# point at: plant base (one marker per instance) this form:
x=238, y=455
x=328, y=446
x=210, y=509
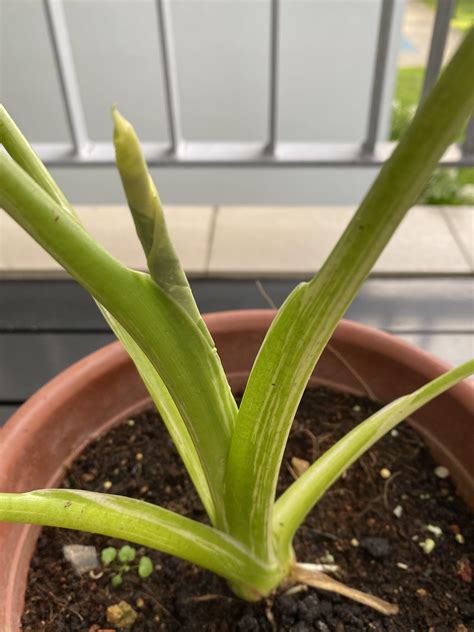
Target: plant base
x=360, y=506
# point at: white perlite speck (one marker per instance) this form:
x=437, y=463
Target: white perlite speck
x=428, y=545
x=434, y=529
x=83, y=558
x=398, y=511
x=441, y=471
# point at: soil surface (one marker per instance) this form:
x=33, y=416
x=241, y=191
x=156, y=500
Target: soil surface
x=371, y=526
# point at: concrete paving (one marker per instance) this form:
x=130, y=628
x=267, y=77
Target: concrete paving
x=416, y=35
x=264, y=241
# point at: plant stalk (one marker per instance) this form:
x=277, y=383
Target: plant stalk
x=308, y=318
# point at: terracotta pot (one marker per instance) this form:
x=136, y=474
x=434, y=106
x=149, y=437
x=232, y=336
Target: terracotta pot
x=103, y=389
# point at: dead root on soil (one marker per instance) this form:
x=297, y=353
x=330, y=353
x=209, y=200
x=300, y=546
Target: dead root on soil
x=309, y=575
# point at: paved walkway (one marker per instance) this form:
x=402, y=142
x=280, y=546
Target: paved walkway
x=416, y=35
x=265, y=241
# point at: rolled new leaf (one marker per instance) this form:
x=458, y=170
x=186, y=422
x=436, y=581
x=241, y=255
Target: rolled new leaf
x=147, y=212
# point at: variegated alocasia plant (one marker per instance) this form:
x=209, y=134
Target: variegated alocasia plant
x=233, y=454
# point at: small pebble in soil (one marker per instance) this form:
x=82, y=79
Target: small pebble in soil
x=131, y=422
x=459, y=538
x=138, y=457
x=394, y=433
x=355, y=542
x=299, y=465
x=421, y=592
x=88, y=477
x=397, y=512
x=375, y=546
x=402, y=565
x=428, y=545
x=464, y=571
x=441, y=471
x=385, y=473
x=83, y=558
x=121, y=614
x=107, y=484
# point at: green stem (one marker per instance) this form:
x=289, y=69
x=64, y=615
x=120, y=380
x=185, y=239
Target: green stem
x=303, y=327
x=22, y=152
x=145, y=524
x=177, y=349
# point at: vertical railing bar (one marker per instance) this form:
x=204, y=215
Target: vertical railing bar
x=63, y=59
x=274, y=72
x=444, y=12
x=468, y=144
x=169, y=74
x=378, y=82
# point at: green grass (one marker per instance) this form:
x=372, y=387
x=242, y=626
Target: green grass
x=408, y=85
x=463, y=17
x=446, y=184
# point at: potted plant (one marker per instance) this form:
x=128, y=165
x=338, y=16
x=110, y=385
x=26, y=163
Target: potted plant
x=233, y=454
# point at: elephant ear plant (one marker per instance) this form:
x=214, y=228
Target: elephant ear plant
x=233, y=454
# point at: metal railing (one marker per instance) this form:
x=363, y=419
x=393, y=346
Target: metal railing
x=272, y=153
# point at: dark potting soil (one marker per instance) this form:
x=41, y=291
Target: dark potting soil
x=371, y=524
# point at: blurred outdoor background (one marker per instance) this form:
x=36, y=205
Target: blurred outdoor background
x=265, y=122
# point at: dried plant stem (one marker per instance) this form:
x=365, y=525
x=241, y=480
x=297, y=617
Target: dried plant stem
x=308, y=575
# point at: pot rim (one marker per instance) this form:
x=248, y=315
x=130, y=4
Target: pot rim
x=113, y=355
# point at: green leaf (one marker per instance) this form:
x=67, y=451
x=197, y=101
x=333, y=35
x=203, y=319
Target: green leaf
x=175, y=346
x=108, y=555
x=298, y=500
x=145, y=567
x=21, y=151
x=144, y=524
x=170, y=414
x=308, y=318
x=116, y=581
x=126, y=553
